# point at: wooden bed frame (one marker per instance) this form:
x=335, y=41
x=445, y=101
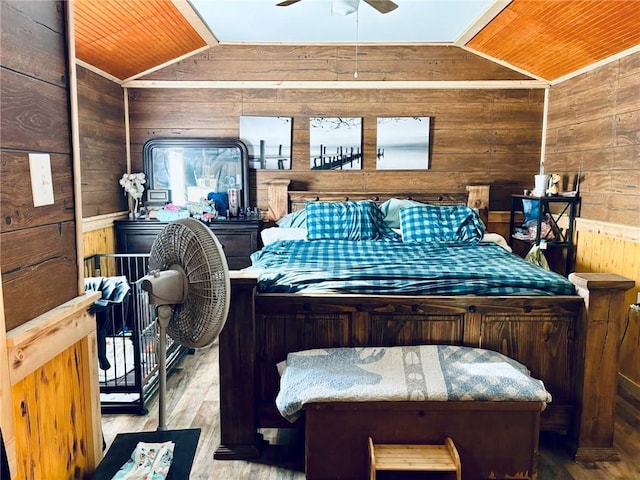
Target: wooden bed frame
x=570, y=342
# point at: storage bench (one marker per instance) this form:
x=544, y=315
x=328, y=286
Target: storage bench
x=494, y=439
x=413, y=395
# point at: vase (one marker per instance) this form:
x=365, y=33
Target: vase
x=134, y=214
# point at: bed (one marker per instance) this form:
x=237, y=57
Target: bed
x=568, y=339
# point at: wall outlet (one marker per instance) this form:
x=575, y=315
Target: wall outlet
x=41, y=181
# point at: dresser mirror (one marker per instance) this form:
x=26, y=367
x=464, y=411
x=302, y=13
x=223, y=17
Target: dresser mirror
x=192, y=168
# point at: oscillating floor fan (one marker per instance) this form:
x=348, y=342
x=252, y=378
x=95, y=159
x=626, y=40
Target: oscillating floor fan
x=188, y=282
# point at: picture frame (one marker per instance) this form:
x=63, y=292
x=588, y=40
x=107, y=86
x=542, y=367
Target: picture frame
x=268, y=141
x=402, y=143
x=157, y=197
x=335, y=143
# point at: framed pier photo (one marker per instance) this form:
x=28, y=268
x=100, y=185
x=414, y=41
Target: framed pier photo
x=268, y=140
x=335, y=143
x=402, y=143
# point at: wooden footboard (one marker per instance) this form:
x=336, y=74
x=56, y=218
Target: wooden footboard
x=570, y=342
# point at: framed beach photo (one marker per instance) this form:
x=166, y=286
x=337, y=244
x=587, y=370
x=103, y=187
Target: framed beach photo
x=335, y=143
x=402, y=143
x=268, y=140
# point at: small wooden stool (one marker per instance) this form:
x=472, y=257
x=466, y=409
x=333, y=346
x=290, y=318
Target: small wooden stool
x=414, y=458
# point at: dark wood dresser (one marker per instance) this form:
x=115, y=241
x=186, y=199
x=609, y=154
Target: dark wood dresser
x=239, y=238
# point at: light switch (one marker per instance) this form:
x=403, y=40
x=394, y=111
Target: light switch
x=41, y=181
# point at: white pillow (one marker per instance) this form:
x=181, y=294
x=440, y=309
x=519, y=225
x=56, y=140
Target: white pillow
x=496, y=238
x=273, y=234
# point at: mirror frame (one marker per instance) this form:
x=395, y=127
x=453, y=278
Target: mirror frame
x=155, y=143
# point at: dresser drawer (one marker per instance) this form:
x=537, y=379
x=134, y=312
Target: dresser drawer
x=238, y=263
x=235, y=244
x=239, y=239
x=138, y=242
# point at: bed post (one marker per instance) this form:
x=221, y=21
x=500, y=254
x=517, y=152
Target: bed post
x=597, y=363
x=238, y=428
x=479, y=198
x=278, y=198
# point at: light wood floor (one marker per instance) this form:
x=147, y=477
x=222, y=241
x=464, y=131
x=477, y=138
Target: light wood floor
x=192, y=402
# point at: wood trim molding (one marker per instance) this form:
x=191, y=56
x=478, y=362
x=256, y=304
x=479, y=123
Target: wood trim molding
x=597, y=65
x=34, y=343
x=543, y=143
x=6, y=400
x=98, y=222
x=127, y=127
x=485, y=18
x=97, y=71
x=92, y=396
x=126, y=81
x=187, y=11
x=628, y=233
x=629, y=390
x=339, y=84
x=75, y=139
x=504, y=64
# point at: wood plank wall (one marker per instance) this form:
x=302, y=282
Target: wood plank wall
x=477, y=136
x=44, y=448
x=594, y=124
x=38, y=247
x=103, y=155
x=101, y=240
x=51, y=414
x=600, y=252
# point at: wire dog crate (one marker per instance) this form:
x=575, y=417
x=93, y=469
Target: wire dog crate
x=128, y=334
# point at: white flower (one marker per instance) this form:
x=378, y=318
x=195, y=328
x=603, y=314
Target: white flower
x=133, y=184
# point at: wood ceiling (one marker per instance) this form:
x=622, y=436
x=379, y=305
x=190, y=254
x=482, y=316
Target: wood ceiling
x=552, y=38
x=548, y=39
x=126, y=37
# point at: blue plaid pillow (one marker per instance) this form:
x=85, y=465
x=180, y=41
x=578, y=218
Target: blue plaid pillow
x=391, y=210
x=345, y=221
x=432, y=223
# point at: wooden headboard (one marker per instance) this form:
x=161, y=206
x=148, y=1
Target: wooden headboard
x=282, y=201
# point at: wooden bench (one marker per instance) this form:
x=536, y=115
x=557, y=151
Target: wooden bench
x=485, y=403
x=497, y=440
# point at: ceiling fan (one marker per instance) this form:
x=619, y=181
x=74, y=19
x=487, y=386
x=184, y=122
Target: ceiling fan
x=349, y=6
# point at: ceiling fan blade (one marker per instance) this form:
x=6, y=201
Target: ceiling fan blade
x=286, y=3
x=383, y=6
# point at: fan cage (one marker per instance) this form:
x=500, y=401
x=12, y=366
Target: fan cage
x=192, y=246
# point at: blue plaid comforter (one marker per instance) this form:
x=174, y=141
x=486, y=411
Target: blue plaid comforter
x=400, y=268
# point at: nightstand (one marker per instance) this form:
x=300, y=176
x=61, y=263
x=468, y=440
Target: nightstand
x=558, y=213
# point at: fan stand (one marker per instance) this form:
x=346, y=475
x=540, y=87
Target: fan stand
x=187, y=267
x=164, y=313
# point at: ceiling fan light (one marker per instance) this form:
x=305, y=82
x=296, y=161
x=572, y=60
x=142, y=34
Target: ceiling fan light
x=344, y=7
